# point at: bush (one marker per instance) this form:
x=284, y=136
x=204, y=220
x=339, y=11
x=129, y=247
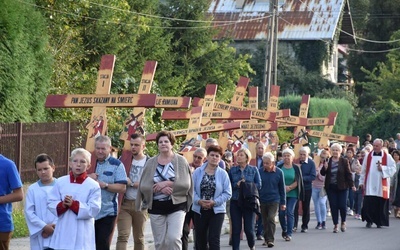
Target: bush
x=321, y=107
x=20, y=227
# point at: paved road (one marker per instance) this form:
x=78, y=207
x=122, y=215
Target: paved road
x=356, y=237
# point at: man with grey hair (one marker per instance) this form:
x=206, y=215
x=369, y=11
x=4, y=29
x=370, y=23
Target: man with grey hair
x=260, y=150
x=199, y=156
x=377, y=168
x=272, y=196
x=111, y=176
x=309, y=173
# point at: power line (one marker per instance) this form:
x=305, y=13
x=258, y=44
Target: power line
x=225, y=23
x=158, y=17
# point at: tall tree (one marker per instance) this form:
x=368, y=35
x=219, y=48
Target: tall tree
x=380, y=22
x=198, y=59
x=385, y=77
x=25, y=64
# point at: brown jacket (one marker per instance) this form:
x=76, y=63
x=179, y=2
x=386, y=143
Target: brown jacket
x=344, y=177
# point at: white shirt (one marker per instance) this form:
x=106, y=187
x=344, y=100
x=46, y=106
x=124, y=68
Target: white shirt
x=134, y=174
x=373, y=186
x=37, y=215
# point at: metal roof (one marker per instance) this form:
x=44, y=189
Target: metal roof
x=298, y=19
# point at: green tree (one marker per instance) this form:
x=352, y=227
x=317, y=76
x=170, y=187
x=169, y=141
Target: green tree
x=82, y=32
x=381, y=21
x=381, y=81
x=296, y=79
x=382, y=121
x=136, y=31
x=198, y=59
x=25, y=64
x=293, y=76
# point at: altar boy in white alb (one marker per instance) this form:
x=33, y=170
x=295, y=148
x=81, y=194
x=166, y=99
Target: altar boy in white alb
x=41, y=222
x=76, y=200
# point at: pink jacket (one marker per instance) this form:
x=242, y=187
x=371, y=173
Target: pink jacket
x=319, y=180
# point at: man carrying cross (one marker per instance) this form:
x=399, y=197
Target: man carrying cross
x=377, y=168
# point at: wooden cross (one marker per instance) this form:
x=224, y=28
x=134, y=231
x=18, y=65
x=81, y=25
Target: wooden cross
x=237, y=104
x=195, y=128
x=273, y=102
x=237, y=99
x=303, y=112
x=103, y=99
x=135, y=122
x=99, y=102
x=208, y=113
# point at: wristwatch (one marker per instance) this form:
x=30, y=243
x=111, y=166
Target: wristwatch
x=106, y=186
x=131, y=185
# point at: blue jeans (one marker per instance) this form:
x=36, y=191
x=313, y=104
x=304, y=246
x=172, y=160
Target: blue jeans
x=338, y=202
x=319, y=205
x=357, y=201
x=286, y=217
x=351, y=199
x=259, y=223
x=237, y=215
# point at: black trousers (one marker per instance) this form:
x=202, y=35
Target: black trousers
x=186, y=229
x=208, y=227
x=103, y=229
x=375, y=210
x=306, y=210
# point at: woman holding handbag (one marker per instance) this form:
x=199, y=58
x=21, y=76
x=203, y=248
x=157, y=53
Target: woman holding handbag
x=243, y=172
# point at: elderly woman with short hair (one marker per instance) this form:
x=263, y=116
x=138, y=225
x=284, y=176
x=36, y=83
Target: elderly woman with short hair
x=294, y=191
x=272, y=196
x=243, y=172
x=338, y=180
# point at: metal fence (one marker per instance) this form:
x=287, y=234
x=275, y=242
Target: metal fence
x=22, y=142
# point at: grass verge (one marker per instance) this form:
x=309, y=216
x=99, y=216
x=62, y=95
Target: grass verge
x=20, y=227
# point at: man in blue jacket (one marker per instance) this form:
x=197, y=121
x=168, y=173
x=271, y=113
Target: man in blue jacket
x=307, y=166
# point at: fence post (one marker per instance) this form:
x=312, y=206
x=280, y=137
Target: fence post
x=68, y=127
x=19, y=147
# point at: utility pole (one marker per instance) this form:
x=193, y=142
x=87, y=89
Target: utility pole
x=271, y=52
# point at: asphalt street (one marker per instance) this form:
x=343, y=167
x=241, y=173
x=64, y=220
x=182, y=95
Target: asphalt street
x=357, y=236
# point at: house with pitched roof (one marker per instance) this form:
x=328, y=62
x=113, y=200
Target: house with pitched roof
x=246, y=22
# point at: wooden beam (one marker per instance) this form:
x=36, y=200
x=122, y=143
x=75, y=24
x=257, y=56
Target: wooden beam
x=104, y=100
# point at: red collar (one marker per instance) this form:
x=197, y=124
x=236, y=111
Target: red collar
x=78, y=180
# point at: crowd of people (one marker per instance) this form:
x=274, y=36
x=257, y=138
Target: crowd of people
x=177, y=196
